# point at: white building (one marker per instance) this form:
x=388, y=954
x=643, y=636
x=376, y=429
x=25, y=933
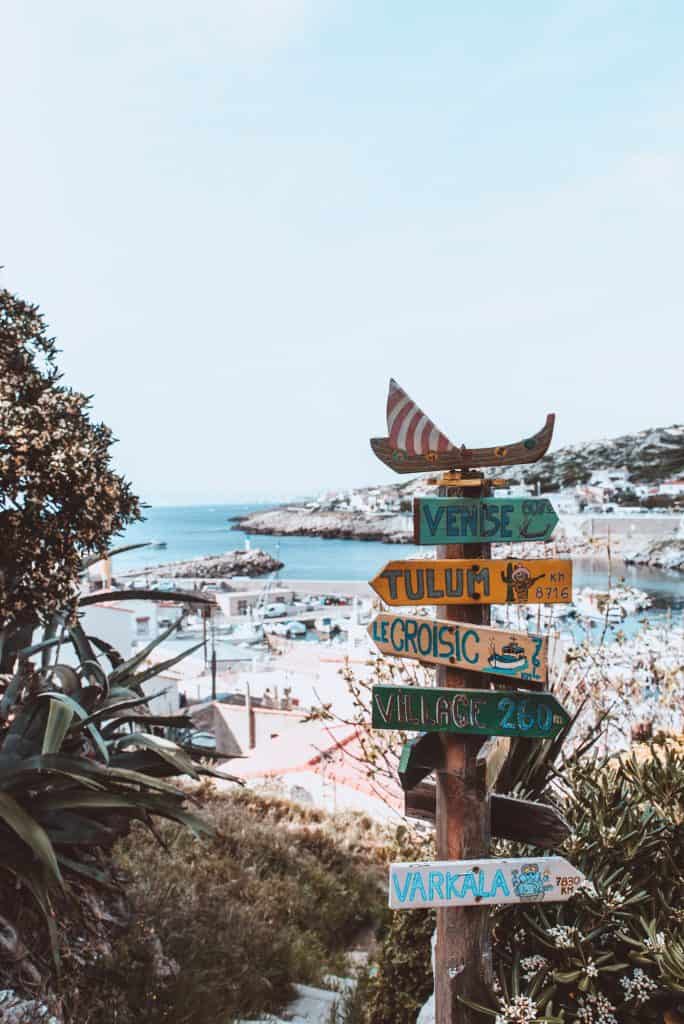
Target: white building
x=674, y=487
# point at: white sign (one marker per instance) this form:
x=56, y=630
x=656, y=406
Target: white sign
x=467, y=883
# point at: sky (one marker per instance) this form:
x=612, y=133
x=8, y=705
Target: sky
x=241, y=217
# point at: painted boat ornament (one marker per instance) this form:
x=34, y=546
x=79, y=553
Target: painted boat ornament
x=415, y=445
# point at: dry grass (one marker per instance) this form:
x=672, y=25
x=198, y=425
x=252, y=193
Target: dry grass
x=223, y=927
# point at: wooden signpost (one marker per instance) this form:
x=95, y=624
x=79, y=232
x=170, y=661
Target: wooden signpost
x=470, y=712
x=475, y=581
x=441, y=642
x=468, y=883
x=462, y=583
x=484, y=520
x=523, y=821
x=425, y=754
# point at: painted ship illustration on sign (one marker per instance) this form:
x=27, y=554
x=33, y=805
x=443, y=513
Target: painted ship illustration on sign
x=511, y=658
x=415, y=445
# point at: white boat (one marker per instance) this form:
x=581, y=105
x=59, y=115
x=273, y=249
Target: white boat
x=292, y=630
x=325, y=627
x=249, y=633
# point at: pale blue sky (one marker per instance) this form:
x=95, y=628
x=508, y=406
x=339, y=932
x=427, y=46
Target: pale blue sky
x=241, y=217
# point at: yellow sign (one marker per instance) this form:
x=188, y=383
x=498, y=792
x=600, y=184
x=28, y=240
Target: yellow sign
x=485, y=581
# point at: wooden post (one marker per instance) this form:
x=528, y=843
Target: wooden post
x=463, y=956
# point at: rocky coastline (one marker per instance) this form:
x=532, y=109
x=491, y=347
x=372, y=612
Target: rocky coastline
x=571, y=538
x=343, y=524
x=660, y=554
x=231, y=563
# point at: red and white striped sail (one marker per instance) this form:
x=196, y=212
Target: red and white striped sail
x=409, y=428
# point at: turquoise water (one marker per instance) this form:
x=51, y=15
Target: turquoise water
x=196, y=530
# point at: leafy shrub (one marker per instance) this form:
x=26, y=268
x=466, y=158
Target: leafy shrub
x=224, y=927
x=77, y=765
x=610, y=956
x=402, y=980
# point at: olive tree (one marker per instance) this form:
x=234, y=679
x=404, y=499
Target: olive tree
x=60, y=499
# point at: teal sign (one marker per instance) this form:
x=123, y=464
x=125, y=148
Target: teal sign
x=474, y=712
x=482, y=520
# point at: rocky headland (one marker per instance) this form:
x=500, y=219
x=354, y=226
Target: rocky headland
x=232, y=563
x=383, y=513
x=661, y=554
x=341, y=524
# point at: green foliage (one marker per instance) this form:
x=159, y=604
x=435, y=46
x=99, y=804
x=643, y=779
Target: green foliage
x=403, y=978
x=224, y=928
x=614, y=952
x=72, y=774
x=60, y=500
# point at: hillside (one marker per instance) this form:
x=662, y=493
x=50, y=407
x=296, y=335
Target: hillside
x=649, y=456
x=375, y=513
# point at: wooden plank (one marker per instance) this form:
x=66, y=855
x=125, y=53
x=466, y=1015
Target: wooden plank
x=481, y=882
x=419, y=757
x=486, y=520
x=468, y=712
x=481, y=581
x=463, y=954
x=523, y=821
x=491, y=758
x=425, y=754
x=480, y=648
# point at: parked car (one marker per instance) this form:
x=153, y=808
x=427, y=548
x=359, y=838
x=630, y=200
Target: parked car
x=273, y=611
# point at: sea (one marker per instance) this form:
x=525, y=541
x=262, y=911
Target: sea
x=191, y=531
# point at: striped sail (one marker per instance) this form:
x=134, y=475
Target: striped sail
x=409, y=428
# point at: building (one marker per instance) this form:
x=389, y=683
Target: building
x=674, y=487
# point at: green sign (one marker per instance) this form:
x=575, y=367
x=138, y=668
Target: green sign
x=477, y=712
x=481, y=520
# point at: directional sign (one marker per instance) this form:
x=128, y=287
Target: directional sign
x=425, y=754
x=477, y=712
x=491, y=758
x=418, y=758
x=481, y=520
x=440, y=642
x=523, y=821
x=465, y=883
x=487, y=581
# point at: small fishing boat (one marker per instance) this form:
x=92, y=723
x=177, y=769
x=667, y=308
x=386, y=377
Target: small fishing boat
x=325, y=627
x=511, y=658
x=415, y=445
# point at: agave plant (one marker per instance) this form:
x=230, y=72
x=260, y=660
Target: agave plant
x=78, y=759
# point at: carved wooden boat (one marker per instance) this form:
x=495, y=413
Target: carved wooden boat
x=416, y=445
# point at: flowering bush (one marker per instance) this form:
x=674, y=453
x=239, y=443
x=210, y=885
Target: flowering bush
x=60, y=500
x=614, y=953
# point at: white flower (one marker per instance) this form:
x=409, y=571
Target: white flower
x=657, y=944
x=531, y=965
x=563, y=935
x=521, y=1010
x=595, y=1009
x=614, y=899
x=591, y=970
x=639, y=987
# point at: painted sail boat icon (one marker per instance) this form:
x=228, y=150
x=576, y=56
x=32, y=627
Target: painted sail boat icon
x=415, y=445
x=511, y=658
